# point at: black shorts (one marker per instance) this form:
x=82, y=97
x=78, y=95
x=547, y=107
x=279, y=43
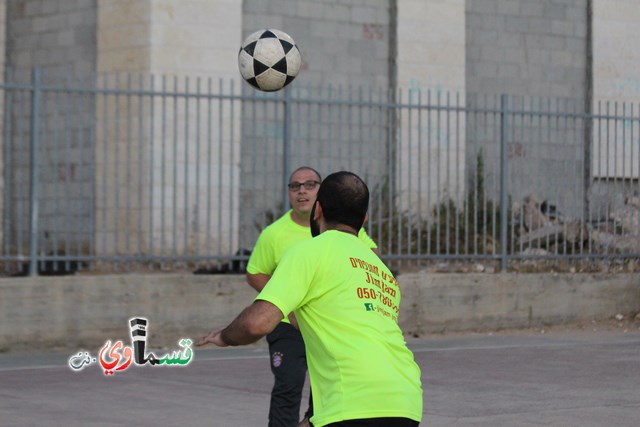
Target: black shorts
x=376, y=422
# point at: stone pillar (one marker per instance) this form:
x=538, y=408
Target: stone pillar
x=616, y=71
x=431, y=63
x=169, y=43
x=3, y=44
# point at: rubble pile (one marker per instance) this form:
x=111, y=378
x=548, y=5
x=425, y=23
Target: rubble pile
x=542, y=228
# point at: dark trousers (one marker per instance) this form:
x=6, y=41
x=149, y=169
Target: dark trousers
x=289, y=366
x=376, y=422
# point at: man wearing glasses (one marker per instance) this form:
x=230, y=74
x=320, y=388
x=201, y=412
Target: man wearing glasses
x=286, y=347
x=347, y=304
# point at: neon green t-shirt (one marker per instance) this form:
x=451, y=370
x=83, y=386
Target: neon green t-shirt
x=279, y=236
x=346, y=302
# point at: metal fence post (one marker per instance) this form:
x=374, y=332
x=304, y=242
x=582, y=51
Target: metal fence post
x=33, y=165
x=503, y=182
x=286, y=148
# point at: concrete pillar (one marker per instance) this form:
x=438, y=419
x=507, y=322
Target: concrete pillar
x=431, y=62
x=616, y=71
x=173, y=41
x=3, y=44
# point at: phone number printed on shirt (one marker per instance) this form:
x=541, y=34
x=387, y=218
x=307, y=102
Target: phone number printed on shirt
x=370, y=293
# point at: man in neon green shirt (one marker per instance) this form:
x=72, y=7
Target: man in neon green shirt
x=286, y=346
x=346, y=303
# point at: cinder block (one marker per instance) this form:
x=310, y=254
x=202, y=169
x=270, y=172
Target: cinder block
x=562, y=28
x=32, y=8
x=49, y=7
x=515, y=55
x=309, y=9
x=81, y=18
x=256, y=7
x=281, y=7
x=483, y=6
x=509, y=71
x=65, y=38
x=531, y=8
x=487, y=69
x=540, y=25
x=493, y=22
x=362, y=15
x=552, y=42
x=510, y=7
x=554, y=10
x=516, y=23
x=492, y=54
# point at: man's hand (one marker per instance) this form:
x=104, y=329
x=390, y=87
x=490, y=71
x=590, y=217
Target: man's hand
x=304, y=422
x=213, y=338
x=253, y=323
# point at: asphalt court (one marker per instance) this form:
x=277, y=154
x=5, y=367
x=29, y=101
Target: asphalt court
x=528, y=379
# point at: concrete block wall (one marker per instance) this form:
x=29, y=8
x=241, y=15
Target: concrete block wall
x=187, y=38
x=3, y=36
x=58, y=38
x=467, y=302
x=342, y=42
x=345, y=45
x=52, y=35
x=82, y=312
x=531, y=48
x=3, y=24
x=536, y=52
x=522, y=47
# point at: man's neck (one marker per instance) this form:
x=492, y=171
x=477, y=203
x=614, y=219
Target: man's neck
x=344, y=229
x=299, y=219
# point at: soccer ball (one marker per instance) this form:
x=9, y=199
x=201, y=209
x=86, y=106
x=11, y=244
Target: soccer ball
x=269, y=60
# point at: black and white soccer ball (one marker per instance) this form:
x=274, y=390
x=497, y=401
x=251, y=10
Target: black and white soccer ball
x=269, y=60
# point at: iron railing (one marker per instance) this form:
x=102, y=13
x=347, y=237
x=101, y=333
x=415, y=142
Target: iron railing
x=146, y=172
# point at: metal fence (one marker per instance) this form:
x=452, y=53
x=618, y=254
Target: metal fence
x=129, y=172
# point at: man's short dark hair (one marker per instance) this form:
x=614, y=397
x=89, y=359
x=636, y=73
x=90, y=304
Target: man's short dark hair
x=344, y=198
x=306, y=168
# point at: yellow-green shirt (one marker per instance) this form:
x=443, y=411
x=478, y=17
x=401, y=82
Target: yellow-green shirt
x=279, y=236
x=346, y=302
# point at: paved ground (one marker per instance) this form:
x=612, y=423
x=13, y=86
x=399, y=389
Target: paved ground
x=559, y=379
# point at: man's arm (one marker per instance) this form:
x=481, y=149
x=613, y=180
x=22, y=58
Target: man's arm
x=252, y=323
x=257, y=281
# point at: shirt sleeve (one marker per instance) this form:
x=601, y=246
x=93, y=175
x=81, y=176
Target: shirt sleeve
x=289, y=284
x=364, y=237
x=262, y=259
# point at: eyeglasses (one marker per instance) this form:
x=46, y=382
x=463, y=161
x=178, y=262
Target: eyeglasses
x=308, y=185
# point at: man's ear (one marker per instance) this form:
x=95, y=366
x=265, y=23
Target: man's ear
x=317, y=214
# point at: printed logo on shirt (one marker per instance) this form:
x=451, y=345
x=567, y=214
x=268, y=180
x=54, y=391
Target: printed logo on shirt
x=368, y=306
